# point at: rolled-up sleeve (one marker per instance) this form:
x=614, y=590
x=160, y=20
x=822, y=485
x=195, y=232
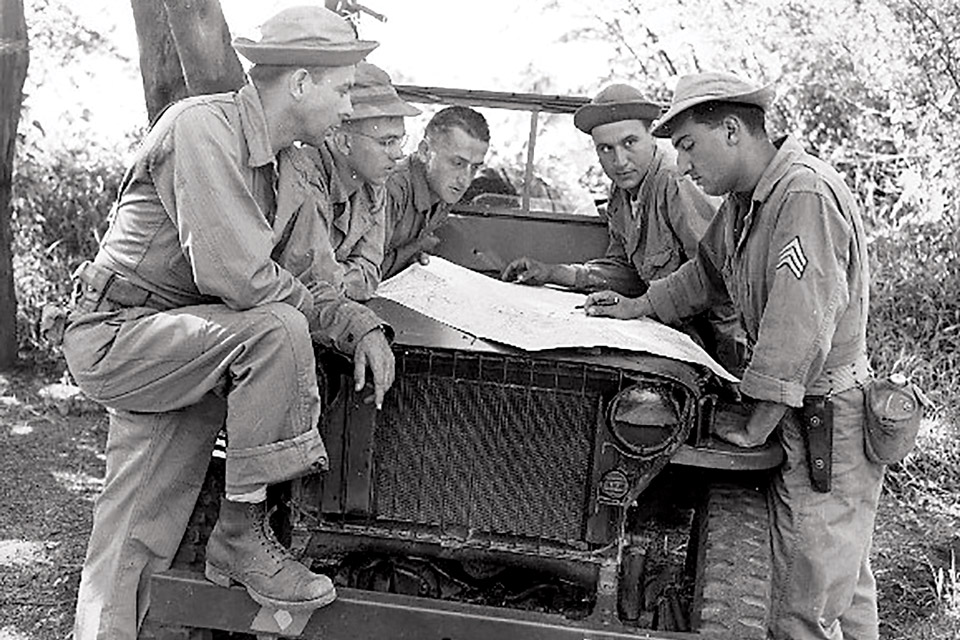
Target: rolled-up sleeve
x=340, y=322
x=807, y=271
x=223, y=230
x=613, y=271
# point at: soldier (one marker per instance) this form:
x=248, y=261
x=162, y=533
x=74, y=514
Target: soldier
x=654, y=218
x=788, y=246
x=341, y=183
x=186, y=323
x=421, y=190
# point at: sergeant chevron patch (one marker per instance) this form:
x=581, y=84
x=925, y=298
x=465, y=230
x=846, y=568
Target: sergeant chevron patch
x=792, y=257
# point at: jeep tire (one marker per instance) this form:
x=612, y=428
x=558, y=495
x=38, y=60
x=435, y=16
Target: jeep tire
x=731, y=540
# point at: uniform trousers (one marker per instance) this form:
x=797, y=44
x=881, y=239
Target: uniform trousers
x=171, y=380
x=823, y=586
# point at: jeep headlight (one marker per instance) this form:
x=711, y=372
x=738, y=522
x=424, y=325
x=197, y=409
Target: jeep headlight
x=644, y=421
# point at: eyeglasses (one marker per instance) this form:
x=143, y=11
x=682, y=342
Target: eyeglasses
x=386, y=142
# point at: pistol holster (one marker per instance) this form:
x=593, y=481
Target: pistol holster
x=816, y=425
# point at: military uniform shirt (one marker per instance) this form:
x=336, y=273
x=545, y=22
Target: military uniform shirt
x=191, y=221
x=792, y=256
x=334, y=211
x=411, y=210
x=194, y=220
x=651, y=234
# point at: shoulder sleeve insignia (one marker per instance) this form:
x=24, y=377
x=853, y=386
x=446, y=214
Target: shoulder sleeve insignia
x=793, y=258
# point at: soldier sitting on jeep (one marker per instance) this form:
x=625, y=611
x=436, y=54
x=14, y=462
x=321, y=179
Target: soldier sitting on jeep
x=186, y=323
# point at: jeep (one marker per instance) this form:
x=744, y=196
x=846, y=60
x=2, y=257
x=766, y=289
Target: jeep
x=500, y=493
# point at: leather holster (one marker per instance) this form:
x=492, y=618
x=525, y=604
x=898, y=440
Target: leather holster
x=816, y=426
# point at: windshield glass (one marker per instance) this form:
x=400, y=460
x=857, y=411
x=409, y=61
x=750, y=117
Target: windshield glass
x=564, y=176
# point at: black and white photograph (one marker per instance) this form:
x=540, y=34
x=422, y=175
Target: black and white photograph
x=460, y=320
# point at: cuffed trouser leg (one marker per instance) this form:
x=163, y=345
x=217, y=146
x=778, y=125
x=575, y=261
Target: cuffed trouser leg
x=261, y=359
x=823, y=588
x=156, y=464
x=155, y=369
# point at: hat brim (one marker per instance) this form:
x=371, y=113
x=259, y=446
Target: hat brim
x=330, y=55
x=397, y=109
x=663, y=127
x=595, y=114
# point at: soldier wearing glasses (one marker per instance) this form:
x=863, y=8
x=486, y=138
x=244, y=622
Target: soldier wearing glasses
x=330, y=198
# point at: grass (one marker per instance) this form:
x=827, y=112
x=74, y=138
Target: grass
x=917, y=540
x=915, y=329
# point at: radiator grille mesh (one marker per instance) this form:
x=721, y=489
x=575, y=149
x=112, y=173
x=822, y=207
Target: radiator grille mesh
x=467, y=447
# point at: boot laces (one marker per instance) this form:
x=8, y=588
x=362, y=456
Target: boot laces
x=277, y=551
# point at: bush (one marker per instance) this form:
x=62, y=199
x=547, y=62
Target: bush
x=914, y=323
x=60, y=206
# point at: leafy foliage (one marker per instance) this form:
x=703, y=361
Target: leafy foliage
x=60, y=205
x=872, y=87
x=869, y=85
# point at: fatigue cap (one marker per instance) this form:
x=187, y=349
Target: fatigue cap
x=613, y=104
x=308, y=36
x=374, y=96
x=710, y=87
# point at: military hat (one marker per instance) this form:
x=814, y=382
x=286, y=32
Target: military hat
x=374, y=96
x=305, y=36
x=615, y=103
x=710, y=87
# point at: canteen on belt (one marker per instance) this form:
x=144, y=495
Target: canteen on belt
x=894, y=409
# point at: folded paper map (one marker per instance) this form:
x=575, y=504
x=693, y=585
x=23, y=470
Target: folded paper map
x=530, y=318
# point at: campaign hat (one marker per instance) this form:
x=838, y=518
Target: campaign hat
x=308, y=36
x=615, y=103
x=374, y=96
x=711, y=86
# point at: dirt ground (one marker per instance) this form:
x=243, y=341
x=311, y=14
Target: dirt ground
x=53, y=464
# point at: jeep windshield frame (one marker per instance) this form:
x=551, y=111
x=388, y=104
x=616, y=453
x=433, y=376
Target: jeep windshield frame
x=534, y=103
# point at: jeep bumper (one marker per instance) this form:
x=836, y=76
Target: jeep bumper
x=185, y=599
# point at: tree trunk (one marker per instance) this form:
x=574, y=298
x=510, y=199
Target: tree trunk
x=210, y=65
x=163, y=81
x=14, y=58
x=184, y=50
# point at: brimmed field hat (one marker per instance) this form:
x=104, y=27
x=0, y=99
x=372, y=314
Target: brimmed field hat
x=613, y=104
x=374, y=96
x=710, y=87
x=305, y=36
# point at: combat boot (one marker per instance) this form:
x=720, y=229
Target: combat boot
x=243, y=549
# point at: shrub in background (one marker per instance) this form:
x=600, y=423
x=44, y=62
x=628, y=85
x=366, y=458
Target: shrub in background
x=60, y=205
x=915, y=306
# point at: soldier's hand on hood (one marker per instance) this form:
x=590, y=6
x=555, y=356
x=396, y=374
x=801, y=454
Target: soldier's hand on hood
x=611, y=304
x=373, y=352
x=764, y=419
x=426, y=244
x=526, y=271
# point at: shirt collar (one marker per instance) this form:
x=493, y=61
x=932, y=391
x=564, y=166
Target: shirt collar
x=788, y=150
x=254, y=125
x=342, y=183
x=746, y=205
x=423, y=196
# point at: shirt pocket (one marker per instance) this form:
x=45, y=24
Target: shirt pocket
x=659, y=264
x=297, y=264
